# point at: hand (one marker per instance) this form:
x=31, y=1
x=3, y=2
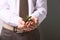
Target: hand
x=32, y=23
x=29, y=25
x=21, y=24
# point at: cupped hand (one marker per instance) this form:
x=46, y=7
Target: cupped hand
x=32, y=23
x=29, y=25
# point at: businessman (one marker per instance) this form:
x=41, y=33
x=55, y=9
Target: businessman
x=13, y=13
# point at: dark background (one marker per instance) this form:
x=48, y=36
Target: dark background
x=50, y=27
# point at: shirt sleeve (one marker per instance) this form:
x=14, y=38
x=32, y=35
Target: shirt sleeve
x=40, y=10
x=7, y=15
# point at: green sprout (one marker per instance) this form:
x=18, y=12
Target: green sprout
x=27, y=18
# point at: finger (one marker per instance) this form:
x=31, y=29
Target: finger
x=28, y=25
x=33, y=26
x=28, y=29
x=31, y=22
x=24, y=29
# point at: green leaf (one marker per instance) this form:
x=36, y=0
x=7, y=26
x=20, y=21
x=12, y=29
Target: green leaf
x=27, y=18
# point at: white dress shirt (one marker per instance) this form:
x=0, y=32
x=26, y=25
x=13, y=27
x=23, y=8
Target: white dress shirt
x=9, y=11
